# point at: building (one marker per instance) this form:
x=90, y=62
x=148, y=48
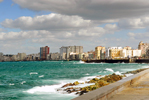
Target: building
x=99, y=52
x=44, y=51
x=21, y=56
x=143, y=47
x=65, y=51
x=74, y=56
x=113, y=52
x=136, y=53
x=127, y=48
x=126, y=53
x=1, y=56
x=54, y=56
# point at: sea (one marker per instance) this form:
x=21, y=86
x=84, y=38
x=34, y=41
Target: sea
x=40, y=80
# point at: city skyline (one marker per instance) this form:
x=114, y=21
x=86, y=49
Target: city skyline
x=26, y=25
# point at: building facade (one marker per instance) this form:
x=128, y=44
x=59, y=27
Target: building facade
x=44, y=51
x=113, y=52
x=143, y=47
x=65, y=51
x=99, y=52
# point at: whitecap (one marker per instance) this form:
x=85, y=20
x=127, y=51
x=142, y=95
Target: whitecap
x=100, y=72
x=44, y=89
x=81, y=62
x=87, y=74
x=127, y=75
x=118, y=73
x=109, y=69
x=33, y=73
x=11, y=84
x=41, y=76
x=145, y=67
x=23, y=82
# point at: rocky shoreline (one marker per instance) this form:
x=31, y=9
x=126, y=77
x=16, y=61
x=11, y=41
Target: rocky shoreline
x=96, y=83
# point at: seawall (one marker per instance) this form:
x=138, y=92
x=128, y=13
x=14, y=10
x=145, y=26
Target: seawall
x=106, y=92
x=118, y=61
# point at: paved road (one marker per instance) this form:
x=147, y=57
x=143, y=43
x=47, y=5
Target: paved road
x=137, y=91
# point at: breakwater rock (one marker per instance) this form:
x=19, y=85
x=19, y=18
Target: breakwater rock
x=97, y=83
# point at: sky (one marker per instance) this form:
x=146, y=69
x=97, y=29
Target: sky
x=27, y=25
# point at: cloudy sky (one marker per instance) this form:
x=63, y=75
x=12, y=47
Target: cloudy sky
x=27, y=25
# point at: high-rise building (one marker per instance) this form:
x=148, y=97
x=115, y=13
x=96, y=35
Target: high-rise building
x=143, y=47
x=1, y=56
x=99, y=52
x=44, y=51
x=65, y=51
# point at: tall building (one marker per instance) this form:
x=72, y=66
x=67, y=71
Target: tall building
x=99, y=52
x=44, y=51
x=1, y=56
x=143, y=47
x=65, y=51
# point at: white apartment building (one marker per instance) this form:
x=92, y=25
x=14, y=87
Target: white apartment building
x=136, y=53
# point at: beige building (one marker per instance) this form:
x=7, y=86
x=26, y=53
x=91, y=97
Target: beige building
x=21, y=56
x=127, y=48
x=143, y=47
x=114, y=52
x=99, y=52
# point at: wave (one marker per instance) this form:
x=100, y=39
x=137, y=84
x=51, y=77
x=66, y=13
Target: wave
x=23, y=82
x=118, y=73
x=41, y=76
x=11, y=84
x=33, y=73
x=109, y=69
x=87, y=74
x=44, y=89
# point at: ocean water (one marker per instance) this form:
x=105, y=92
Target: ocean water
x=39, y=80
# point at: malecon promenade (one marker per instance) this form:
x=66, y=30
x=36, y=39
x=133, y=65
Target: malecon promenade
x=135, y=87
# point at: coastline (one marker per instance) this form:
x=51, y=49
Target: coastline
x=33, y=79
x=97, y=82
x=110, y=90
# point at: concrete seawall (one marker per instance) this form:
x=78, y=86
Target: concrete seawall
x=118, y=61
x=106, y=92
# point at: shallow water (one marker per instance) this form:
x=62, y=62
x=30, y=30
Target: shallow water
x=40, y=80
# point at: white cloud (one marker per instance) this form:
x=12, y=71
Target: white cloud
x=131, y=34
x=134, y=23
x=111, y=28
x=90, y=9
x=2, y=30
x=139, y=36
x=47, y=22
x=95, y=31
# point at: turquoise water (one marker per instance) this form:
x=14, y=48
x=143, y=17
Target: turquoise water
x=40, y=80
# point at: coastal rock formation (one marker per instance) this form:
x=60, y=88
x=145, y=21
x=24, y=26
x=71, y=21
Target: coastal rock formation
x=99, y=82
x=71, y=84
x=135, y=71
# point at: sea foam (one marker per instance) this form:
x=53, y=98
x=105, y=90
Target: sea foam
x=33, y=73
x=109, y=69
